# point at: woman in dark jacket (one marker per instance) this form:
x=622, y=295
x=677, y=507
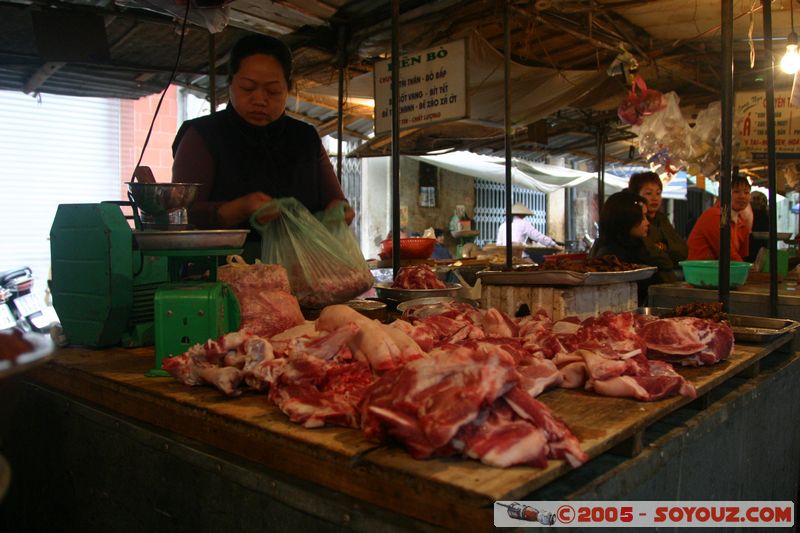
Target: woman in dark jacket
x=623, y=231
x=252, y=152
x=661, y=233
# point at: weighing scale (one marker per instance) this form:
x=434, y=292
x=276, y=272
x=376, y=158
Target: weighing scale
x=114, y=284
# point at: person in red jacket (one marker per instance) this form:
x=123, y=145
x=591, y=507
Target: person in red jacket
x=704, y=239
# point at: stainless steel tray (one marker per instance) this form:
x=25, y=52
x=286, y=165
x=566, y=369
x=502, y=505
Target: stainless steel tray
x=385, y=290
x=746, y=328
x=563, y=277
x=190, y=239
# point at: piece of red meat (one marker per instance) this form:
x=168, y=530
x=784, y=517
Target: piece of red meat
x=500, y=438
x=562, y=443
x=687, y=340
x=417, y=277
x=314, y=392
x=426, y=402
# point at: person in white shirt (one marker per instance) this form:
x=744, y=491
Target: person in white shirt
x=522, y=230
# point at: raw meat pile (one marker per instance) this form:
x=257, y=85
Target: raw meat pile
x=266, y=304
x=417, y=277
x=462, y=381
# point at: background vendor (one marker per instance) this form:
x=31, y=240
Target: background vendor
x=252, y=151
x=660, y=234
x=704, y=239
x=522, y=230
x=623, y=227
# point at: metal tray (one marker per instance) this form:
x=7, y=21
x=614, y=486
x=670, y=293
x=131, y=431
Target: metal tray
x=564, y=277
x=434, y=301
x=385, y=290
x=190, y=239
x=746, y=328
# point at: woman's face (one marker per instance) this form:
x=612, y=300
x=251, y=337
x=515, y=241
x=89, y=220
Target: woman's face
x=640, y=231
x=652, y=193
x=740, y=197
x=259, y=90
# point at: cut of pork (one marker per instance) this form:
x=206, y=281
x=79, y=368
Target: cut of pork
x=501, y=438
x=426, y=402
x=561, y=442
x=315, y=392
x=374, y=344
x=688, y=341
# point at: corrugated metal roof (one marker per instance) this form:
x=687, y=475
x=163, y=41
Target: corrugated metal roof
x=676, y=44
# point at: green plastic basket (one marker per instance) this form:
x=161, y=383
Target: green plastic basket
x=705, y=273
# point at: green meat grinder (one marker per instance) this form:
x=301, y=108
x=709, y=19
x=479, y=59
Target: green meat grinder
x=142, y=279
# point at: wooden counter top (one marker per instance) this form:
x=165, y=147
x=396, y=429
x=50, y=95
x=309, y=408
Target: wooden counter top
x=451, y=492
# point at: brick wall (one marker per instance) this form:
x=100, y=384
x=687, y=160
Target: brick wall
x=135, y=118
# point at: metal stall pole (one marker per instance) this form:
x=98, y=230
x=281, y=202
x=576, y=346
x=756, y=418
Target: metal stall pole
x=601, y=168
x=725, y=163
x=212, y=72
x=342, y=63
x=771, y=163
x=507, y=122
x=395, y=137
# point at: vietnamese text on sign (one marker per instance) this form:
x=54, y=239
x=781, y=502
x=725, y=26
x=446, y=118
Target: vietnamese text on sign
x=432, y=87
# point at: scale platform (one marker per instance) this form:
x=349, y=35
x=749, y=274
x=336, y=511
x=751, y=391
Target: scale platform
x=172, y=242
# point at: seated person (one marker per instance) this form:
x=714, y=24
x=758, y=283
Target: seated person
x=661, y=234
x=440, y=251
x=623, y=228
x=522, y=230
x=760, y=206
x=704, y=239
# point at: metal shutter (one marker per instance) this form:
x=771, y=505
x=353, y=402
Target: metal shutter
x=53, y=150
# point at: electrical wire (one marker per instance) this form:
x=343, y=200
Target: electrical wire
x=164, y=92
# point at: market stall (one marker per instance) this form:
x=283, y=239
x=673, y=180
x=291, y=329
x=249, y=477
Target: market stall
x=153, y=452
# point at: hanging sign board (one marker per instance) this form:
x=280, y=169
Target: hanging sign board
x=751, y=122
x=433, y=87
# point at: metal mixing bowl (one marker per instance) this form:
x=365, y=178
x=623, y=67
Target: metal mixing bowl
x=161, y=198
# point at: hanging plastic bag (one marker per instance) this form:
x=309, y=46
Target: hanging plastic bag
x=322, y=271
x=334, y=221
x=664, y=137
x=640, y=102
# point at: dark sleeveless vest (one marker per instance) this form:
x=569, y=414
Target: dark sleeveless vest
x=280, y=159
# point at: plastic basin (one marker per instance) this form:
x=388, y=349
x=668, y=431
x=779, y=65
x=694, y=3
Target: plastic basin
x=410, y=248
x=705, y=273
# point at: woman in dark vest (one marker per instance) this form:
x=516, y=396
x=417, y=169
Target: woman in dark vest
x=252, y=151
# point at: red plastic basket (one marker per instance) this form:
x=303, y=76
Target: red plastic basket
x=410, y=248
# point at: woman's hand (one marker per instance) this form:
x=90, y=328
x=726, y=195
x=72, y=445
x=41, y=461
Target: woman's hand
x=233, y=213
x=349, y=213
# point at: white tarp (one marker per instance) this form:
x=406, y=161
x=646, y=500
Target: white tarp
x=537, y=176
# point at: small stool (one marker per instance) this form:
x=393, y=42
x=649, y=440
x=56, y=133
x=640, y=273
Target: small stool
x=189, y=313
